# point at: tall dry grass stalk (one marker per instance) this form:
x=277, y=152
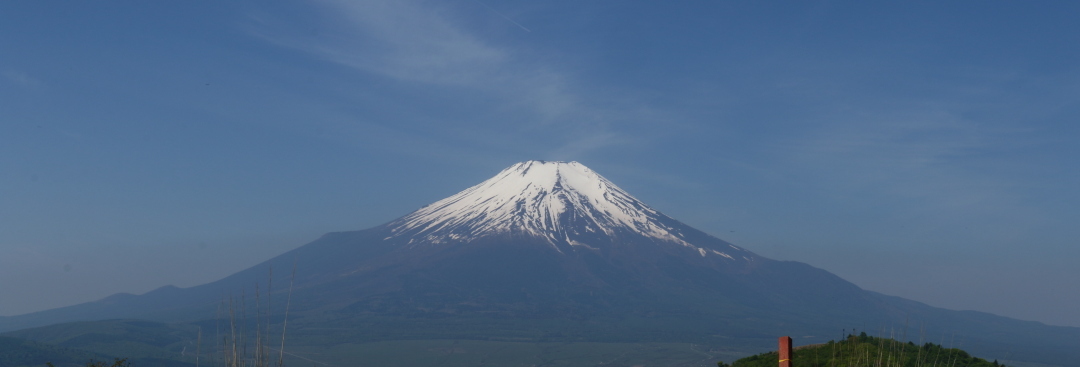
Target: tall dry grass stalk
x=235, y=351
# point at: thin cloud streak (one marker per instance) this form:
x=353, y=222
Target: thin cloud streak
x=405, y=41
x=503, y=16
x=411, y=42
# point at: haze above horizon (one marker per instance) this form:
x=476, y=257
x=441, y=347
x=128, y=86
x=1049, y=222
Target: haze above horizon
x=922, y=150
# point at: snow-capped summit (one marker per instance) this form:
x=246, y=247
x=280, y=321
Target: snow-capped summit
x=565, y=202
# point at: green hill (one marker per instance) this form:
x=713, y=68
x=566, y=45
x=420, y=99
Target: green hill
x=16, y=352
x=866, y=350
x=74, y=344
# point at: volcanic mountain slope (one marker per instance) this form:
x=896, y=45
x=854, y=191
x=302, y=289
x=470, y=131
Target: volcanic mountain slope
x=554, y=251
x=545, y=239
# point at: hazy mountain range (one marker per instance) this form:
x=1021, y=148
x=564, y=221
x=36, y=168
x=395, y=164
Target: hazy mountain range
x=552, y=251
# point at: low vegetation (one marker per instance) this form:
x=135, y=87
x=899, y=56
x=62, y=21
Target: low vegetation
x=118, y=362
x=16, y=352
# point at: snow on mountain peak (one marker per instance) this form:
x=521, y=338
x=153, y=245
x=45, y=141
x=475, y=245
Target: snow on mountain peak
x=562, y=201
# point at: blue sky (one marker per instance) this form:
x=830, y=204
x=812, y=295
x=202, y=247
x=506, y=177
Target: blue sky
x=917, y=149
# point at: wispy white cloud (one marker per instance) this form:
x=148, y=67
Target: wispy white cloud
x=528, y=107
x=416, y=42
x=407, y=41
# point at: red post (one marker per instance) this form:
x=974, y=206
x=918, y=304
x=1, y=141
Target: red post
x=785, y=351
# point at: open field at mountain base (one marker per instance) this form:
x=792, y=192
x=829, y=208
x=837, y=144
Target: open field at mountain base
x=463, y=353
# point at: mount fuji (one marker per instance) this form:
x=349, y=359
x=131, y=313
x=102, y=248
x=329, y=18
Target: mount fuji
x=566, y=203
x=552, y=251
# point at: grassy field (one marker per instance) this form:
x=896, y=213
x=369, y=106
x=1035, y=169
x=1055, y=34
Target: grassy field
x=143, y=342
